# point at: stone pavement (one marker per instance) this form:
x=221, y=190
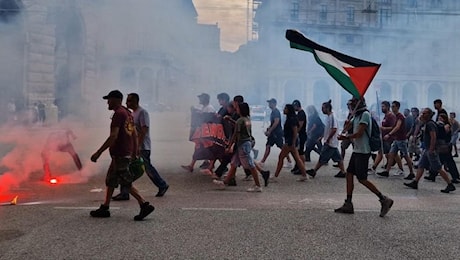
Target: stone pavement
x=194, y=220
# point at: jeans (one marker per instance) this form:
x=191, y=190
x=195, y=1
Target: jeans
x=150, y=171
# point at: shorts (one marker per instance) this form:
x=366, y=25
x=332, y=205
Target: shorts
x=346, y=143
x=399, y=145
x=302, y=141
x=358, y=165
x=243, y=156
x=453, y=139
x=275, y=139
x=387, y=147
x=328, y=153
x=430, y=161
x=118, y=173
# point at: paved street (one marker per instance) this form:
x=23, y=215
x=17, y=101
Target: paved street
x=194, y=220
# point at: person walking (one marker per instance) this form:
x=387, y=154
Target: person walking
x=359, y=160
x=142, y=123
x=430, y=157
x=291, y=126
x=122, y=144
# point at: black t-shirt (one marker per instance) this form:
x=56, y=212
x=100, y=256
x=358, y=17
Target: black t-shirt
x=289, y=125
x=301, y=116
x=276, y=114
x=429, y=127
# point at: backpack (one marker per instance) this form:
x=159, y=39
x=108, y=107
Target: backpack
x=375, y=139
x=442, y=138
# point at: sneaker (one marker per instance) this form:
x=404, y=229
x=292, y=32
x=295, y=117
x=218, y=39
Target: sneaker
x=220, y=184
x=340, y=174
x=162, y=191
x=455, y=155
x=456, y=181
x=398, y=173
x=371, y=171
x=254, y=188
x=450, y=187
x=336, y=165
x=295, y=168
x=383, y=174
x=256, y=152
x=120, y=197
x=146, y=209
x=287, y=165
x=386, y=206
x=347, y=208
x=296, y=172
x=265, y=176
x=187, y=168
x=101, y=212
x=413, y=185
x=302, y=178
x=430, y=178
x=411, y=176
x=311, y=172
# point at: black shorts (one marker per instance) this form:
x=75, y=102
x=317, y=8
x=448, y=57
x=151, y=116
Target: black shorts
x=275, y=139
x=358, y=165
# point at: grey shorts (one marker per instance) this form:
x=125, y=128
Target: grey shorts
x=430, y=161
x=243, y=156
x=118, y=173
x=399, y=145
x=328, y=153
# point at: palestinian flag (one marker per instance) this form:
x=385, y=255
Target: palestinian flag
x=354, y=75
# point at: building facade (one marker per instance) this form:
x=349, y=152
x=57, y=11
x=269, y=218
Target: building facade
x=414, y=40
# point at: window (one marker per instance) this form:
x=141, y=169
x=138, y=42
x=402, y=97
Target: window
x=412, y=3
x=295, y=11
x=385, y=16
x=323, y=13
x=351, y=14
x=436, y=3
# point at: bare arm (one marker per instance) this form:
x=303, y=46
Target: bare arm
x=433, y=141
x=275, y=124
x=361, y=129
x=108, y=142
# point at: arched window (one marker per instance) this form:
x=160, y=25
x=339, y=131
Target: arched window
x=147, y=86
x=128, y=78
x=321, y=93
x=292, y=91
x=434, y=92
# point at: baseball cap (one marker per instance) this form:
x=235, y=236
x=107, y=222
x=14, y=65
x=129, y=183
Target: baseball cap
x=272, y=100
x=113, y=94
x=296, y=103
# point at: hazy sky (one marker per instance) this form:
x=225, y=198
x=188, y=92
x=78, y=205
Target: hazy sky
x=231, y=17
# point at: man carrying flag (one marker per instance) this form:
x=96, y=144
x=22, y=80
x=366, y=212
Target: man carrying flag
x=355, y=76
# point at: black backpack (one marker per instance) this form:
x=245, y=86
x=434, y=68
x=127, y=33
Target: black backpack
x=375, y=137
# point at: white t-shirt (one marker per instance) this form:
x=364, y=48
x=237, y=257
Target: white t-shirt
x=331, y=123
x=208, y=109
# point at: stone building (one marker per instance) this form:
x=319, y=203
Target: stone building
x=65, y=53
x=412, y=40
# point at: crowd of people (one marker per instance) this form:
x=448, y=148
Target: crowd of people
x=424, y=140
x=223, y=138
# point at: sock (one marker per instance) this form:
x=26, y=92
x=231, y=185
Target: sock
x=349, y=198
x=380, y=195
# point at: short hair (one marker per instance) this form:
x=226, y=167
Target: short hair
x=453, y=114
x=396, y=103
x=135, y=96
x=328, y=105
x=386, y=103
x=223, y=96
x=414, y=109
x=437, y=101
x=238, y=99
x=444, y=117
x=430, y=111
x=244, y=109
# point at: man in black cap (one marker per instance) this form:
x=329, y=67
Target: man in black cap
x=274, y=133
x=123, y=146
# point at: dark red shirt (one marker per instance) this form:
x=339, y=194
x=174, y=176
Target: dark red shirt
x=388, y=121
x=123, y=145
x=400, y=135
